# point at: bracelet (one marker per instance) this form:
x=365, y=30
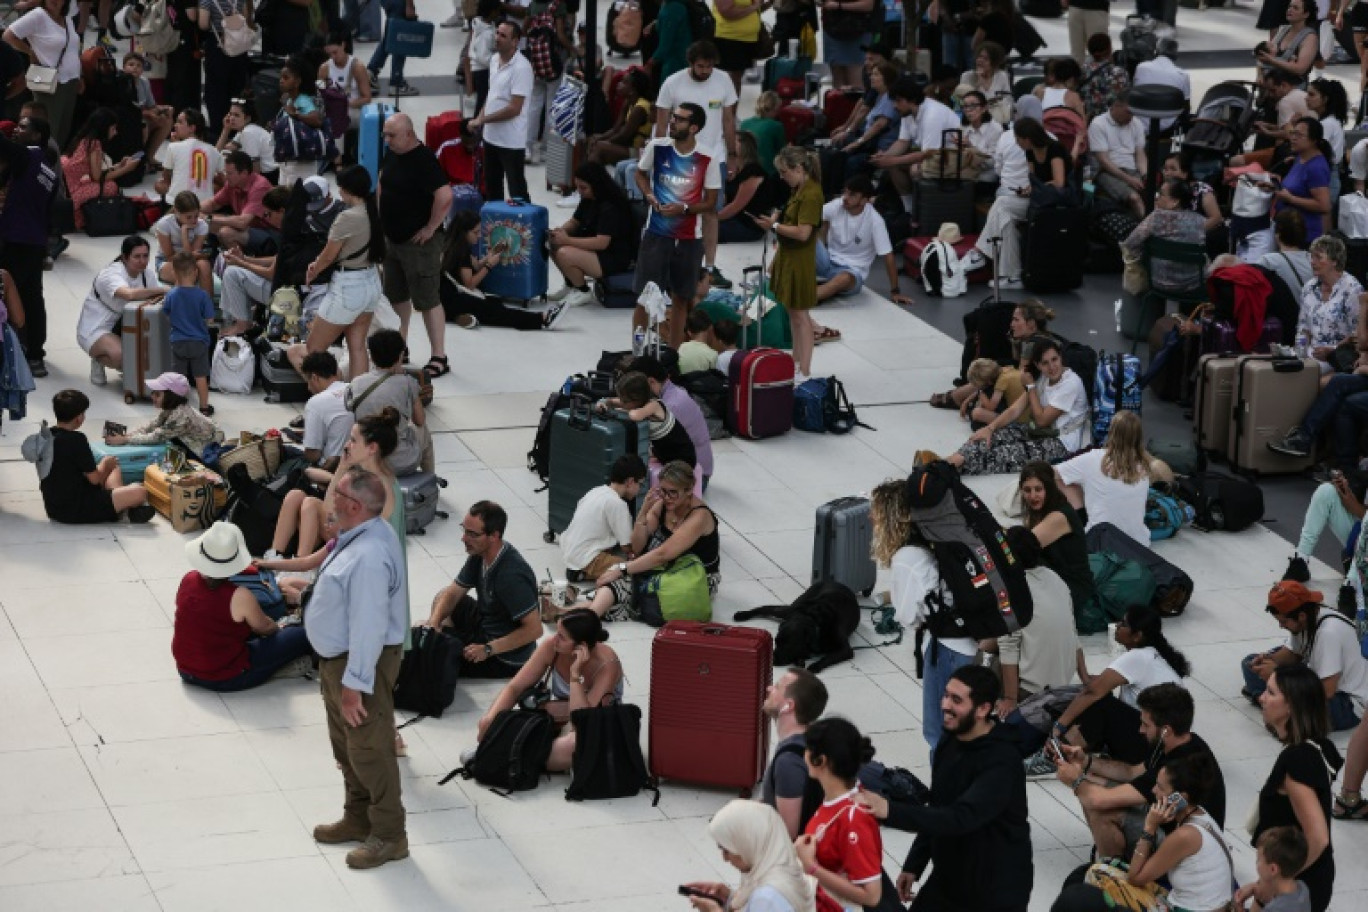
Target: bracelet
x=1151, y=838
x=1077, y=783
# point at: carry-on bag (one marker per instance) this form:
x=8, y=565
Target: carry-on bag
x=191, y=499
x=442, y=127
x=941, y=201
x=146, y=334
x=707, y=724
x=1271, y=396
x=837, y=105
x=1214, y=402
x=370, y=142
x=1221, y=503
x=584, y=446
x=422, y=492
x=1116, y=387
x=279, y=380
x=761, y=402
x=1054, y=249
x=841, y=544
x=133, y=460
x=912, y=257
x=426, y=684
x=800, y=122
x=517, y=231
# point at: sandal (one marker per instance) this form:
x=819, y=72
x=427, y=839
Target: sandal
x=944, y=400
x=443, y=366
x=1349, y=810
x=826, y=334
x=207, y=411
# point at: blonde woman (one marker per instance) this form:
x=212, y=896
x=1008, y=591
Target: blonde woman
x=897, y=547
x=1110, y=485
x=793, y=274
x=752, y=839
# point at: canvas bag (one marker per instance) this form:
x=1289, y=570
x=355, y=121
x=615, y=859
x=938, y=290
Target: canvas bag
x=233, y=368
x=941, y=271
x=608, y=762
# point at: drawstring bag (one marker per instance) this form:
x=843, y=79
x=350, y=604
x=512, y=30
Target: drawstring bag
x=233, y=367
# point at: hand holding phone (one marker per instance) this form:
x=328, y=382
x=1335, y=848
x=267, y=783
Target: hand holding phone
x=686, y=890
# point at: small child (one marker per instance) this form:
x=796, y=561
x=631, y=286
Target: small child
x=157, y=119
x=725, y=334
x=190, y=311
x=78, y=490
x=176, y=420
x=698, y=354
x=669, y=440
x=183, y=230
x=1282, y=852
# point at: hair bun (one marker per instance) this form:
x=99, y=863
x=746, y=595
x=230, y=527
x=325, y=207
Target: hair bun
x=390, y=416
x=866, y=749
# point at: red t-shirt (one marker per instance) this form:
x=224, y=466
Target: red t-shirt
x=848, y=842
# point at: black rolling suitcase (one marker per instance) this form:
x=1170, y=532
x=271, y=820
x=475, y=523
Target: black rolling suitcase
x=947, y=197
x=280, y=381
x=841, y=544
x=1054, y=249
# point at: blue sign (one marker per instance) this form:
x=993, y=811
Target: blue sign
x=408, y=38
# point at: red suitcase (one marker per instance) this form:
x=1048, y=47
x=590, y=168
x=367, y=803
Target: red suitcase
x=708, y=685
x=912, y=252
x=838, y=104
x=797, y=120
x=790, y=88
x=761, y=398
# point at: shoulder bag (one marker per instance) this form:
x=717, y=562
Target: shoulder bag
x=42, y=80
x=110, y=216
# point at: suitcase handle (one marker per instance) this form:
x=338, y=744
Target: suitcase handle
x=714, y=630
x=581, y=413
x=1288, y=365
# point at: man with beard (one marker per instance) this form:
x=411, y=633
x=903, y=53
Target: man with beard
x=1114, y=795
x=973, y=831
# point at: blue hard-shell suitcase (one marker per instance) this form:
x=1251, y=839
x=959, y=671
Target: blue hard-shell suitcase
x=371, y=145
x=133, y=460
x=518, y=230
x=1116, y=373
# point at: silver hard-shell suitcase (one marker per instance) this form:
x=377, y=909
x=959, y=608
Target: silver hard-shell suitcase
x=146, y=336
x=841, y=544
x=421, y=496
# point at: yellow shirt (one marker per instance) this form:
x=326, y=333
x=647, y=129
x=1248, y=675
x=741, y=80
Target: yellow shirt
x=747, y=28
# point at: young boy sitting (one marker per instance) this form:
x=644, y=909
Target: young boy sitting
x=75, y=489
x=602, y=525
x=157, y=119
x=1282, y=852
x=189, y=311
x=725, y=333
x=698, y=354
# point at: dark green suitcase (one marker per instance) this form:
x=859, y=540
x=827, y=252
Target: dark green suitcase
x=584, y=446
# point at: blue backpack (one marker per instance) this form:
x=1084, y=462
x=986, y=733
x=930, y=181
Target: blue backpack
x=1164, y=514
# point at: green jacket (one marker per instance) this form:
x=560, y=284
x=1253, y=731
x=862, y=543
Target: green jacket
x=672, y=27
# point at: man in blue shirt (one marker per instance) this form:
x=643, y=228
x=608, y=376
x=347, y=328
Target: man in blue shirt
x=356, y=622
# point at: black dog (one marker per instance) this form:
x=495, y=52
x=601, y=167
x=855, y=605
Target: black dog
x=818, y=623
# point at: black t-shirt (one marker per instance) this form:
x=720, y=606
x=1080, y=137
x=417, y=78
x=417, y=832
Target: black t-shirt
x=1068, y=556
x=599, y=217
x=760, y=203
x=1044, y=170
x=505, y=591
x=407, y=184
x=1215, y=804
x=67, y=493
x=1304, y=763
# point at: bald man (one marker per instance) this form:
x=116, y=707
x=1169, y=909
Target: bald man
x=414, y=197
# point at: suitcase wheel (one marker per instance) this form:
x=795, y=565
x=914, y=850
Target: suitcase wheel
x=442, y=514
x=128, y=398
x=549, y=537
x=441, y=483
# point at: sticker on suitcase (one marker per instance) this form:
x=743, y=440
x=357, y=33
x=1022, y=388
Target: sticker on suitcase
x=511, y=239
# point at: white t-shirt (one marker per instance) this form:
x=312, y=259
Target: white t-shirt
x=1162, y=71
x=1336, y=652
x=1069, y=396
x=507, y=80
x=1109, y=500
x=1334, y=135
x=714, y=95
x=1118, y=141
x=914, y=575
x=933, y=119
x=1142, y=668
x=855, y=240
x=327, y=422
x=601, y=522
x=101, y=312
x=908, y=133
x=1045, y=650
x=193, y=164
x=1009, y=161
x=258, y=142
x=170, y=228
x=53, y=45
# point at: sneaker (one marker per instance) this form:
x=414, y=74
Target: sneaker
x=455, y=20
x=568, y=202
x=342, y=831
x=301, y=667
x=1294, y=444
x=552, y=314
x=271, y=554
x=375, y=851
x=560, y=293
x=974, y=260
x=37, y=367
x=1038, y=766
x=403, y=90
x=141, y=514
x=1010, y=283
x=467, y=321
x=468, y=756
x=578, y=297
x=97, y=373
x=718, y=279
x=297, y=422
x=1297, y=570
x=799, y=378
x=374, y=81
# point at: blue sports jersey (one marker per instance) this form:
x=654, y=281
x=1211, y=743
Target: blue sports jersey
x=677, y=178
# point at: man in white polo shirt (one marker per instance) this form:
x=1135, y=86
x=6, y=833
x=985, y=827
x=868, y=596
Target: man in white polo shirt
x=1118, y=143
x=503, y=120
x=711, y=89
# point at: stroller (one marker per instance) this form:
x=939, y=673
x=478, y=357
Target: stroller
x=1220, y=127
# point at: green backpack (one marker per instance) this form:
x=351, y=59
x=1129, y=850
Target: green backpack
x=1120, y=584
x=676, y=592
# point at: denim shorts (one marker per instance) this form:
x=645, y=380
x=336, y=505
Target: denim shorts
x=828, y=269
x=350, y=294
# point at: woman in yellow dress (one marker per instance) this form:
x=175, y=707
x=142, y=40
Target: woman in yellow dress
x=793, y=274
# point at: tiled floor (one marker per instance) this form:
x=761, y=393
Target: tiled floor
x=120, y=789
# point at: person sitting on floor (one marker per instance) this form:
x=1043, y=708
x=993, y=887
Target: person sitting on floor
x=995, y=389
x=76, y=489
x=327, y=421
x=463, y=301
x=598, y=241
x=388, y=384
x=1321, y=638
x=699, y=353
x=748, y=194
x=1111, y=485
x=578, y=669
x=177, y=421
x=600, y=530
x=1059, y=529
x=853, y=235
x=670, y=441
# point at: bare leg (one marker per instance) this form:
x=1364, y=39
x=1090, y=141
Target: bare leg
x=843, y=282
x=710, y=237
x=310, y=526
x=134, y=495
x=108, y=350
x=288, y=521
x=357, y=357
x=292, y=588
x=801, y=323
x=202, y=387
x=405, y=310
x=434, y=320
x=678, y=317
x=562, y=752
x=322, y=335
x=1107, y=833
x=114, y=479
x=575, y=264
x=1356, y=756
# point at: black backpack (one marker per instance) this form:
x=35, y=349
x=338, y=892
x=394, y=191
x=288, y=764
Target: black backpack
x=254, y=506
x=702, y=25
x=838, y=415
x=1222, y=503
x=892, y=782
x=513, y=754
x=427, y=678
x=608, y=761
x=539, y=457
x=986, y=582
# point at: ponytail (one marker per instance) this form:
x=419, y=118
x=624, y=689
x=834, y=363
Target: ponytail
x=1147, y=622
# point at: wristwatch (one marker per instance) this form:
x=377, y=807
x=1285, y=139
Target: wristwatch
x=621, y=567
x=489, y=650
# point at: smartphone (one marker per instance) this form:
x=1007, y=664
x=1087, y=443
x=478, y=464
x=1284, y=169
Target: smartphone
x=1176, y=802
x=1336, y=476
x=137, y=156
x=694, y=891
x=114, y=429
x=1056, y=748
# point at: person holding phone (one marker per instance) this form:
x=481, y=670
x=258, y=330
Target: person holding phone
x=752, y=839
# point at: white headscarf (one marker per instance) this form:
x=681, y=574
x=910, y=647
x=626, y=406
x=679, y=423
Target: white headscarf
x=756, y=833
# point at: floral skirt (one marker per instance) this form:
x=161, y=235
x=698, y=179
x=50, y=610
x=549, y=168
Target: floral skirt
x=1009, y=451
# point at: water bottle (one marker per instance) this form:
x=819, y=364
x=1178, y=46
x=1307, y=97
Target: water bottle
x=638, y=341
x=1303, y=344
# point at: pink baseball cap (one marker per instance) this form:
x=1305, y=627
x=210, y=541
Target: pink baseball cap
x=170, y=383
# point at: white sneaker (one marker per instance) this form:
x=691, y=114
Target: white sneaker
x=271, y=554
x=799, y=378
x=974, y=260
x=97, y=373
x=568, y=202
x=560, y=294
x=578, y=297
x=553, y=314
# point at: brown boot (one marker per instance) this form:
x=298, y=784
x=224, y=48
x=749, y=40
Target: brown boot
x=375, y=851
x=344, y=830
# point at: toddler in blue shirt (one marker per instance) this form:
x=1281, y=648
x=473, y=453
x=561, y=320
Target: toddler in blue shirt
x=189, y=310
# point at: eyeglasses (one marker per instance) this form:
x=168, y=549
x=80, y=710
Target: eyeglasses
x=681, y=118
x=669, y=493
x=341, y=493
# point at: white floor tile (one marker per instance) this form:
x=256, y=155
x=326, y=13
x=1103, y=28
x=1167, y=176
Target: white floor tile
x=206, y=832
